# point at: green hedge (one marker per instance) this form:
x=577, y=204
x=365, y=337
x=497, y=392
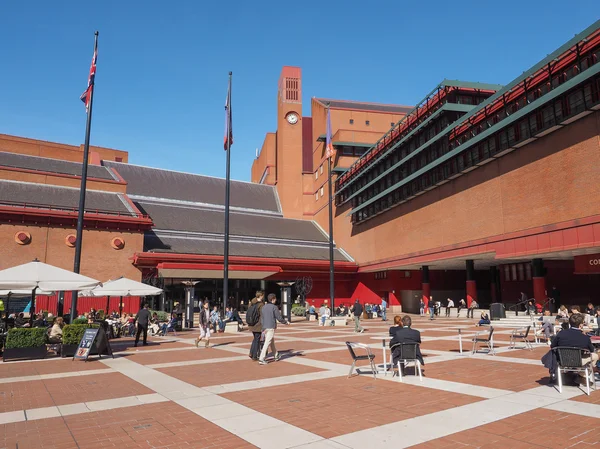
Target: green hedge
x=26, y=337
x=298, y=311
x=80, y=321
x=162, y=316
x=72, y=333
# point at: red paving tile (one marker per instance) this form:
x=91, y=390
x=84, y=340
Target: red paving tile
x=490, y=373
x=342, y=357
x=230, y=372
x=593, y=398
x=333, y=407
x=34, y=368
x=127, y=345
x=70, y=390
x=301, y=345
x=518, y=353
x=150, y=426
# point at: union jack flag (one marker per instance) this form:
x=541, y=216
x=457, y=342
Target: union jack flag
x=329, y=151
x=85, y=97
x=228, y=127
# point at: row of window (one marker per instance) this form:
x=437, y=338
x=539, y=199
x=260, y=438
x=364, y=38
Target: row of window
x=443, y=146
x=320, y=169
x=517, y=272
x=443, y=96
x=572, y=103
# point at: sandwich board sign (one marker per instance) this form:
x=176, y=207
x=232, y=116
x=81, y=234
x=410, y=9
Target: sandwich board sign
x=94, y=339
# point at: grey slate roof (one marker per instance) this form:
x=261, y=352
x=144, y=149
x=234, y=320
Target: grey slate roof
x=52, y=165
x=365, y=106
x=157, y=183
x=59, y=197
x=178, y=218
x=215, y=247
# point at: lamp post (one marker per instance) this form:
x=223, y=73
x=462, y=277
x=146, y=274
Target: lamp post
x=286, y=298
x=188, y=319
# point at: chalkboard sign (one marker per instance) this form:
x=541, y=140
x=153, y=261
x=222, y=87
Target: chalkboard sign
x=93, y=338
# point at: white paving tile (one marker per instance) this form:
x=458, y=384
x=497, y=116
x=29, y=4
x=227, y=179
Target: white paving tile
x=208, y=400
x=10, y=417
x=247, y=423
x=282, y=436
x=152, y=398
x=73, y=409
x=577, y=408
x=217, y=412
x=446, y=385
x=550, y=391
x=109, y=404
x=529, y=399
x=42, y=413
x=322, y=444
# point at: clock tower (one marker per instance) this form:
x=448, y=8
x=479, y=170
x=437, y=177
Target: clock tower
x=288, y=159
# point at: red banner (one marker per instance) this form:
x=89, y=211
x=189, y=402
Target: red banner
x=587, y=264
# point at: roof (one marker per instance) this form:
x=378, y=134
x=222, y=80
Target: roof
x=362, y=106
x=167, y=184
x=52, y=165
x=161, y=244
x=62, y=198
x=202, y=220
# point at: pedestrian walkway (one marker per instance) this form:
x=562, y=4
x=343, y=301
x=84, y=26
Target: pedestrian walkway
x=172, y=395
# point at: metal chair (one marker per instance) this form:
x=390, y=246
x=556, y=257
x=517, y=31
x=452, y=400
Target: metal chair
x=355, y=358
x=489, y=341
x=570, y=360
x=406, y=353
x=520, y=334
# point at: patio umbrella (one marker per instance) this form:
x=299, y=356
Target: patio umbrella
x=36, y=274
x=122, y=287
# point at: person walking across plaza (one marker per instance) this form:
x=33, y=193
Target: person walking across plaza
x=357, y=310
x=143, y=320
x=461, y=305
x=431, y=307
x=383, y=309
x=253, y=318
x=270, y=315
x=204, y=325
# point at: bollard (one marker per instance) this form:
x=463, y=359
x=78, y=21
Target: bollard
x=460, y=340
x=384, y=357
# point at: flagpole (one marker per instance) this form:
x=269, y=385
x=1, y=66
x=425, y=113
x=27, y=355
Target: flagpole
x=84, y=170
x=227, y=182
x=331, y=268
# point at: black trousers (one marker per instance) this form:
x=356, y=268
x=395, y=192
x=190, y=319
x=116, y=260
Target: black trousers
x=255, y=348
x=141, y=329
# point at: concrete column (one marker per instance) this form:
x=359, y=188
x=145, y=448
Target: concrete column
x=425, y=285
x=471, y=284
x=539, y=280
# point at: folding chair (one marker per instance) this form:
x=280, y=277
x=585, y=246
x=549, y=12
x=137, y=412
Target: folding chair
x=520, y=334
x=489, y=341
x=570, y=360
x=355, y=358
x=407, y=353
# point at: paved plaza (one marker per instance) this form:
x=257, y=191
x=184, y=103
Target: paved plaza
x=172, y=395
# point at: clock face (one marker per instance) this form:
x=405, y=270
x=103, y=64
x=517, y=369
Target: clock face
x=292, y=118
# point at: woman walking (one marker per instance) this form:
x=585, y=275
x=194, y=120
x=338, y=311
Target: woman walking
x=204, y=325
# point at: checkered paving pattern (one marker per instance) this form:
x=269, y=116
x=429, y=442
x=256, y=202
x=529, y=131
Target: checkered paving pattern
x=170, y=394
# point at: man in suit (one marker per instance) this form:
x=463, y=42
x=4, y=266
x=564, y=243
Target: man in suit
x=406, y=334
x=575, y=338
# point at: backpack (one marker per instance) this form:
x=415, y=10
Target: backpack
x=253, y=315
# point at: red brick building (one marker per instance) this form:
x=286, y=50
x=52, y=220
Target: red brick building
x=478, y=191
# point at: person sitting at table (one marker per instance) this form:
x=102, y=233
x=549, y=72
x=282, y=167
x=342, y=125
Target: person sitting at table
x=20, y=320
x=234, y=316
x=590, y=309
x=311, y=311
x=39, y=320
x=484, y=319
x=575, y=338
x=405, y=334
x=56, y=332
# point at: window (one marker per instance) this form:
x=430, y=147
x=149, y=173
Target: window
x=317, y=196
x=317, y=174
x=321, y=168
x=367, y=122
x=506, y=273
x=321, y=192
x=381, y=275
x=392, y=124
x=118, y=159
x=352, y=121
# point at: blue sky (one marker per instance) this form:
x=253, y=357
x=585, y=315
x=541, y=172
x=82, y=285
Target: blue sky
x=162, y=66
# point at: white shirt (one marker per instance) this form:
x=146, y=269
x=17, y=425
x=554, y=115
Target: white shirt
x=450, y=303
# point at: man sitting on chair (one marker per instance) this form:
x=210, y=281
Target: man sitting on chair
x=575, y=338
x=405, y=334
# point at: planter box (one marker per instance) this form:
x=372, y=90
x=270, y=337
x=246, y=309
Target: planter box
x=25, y=353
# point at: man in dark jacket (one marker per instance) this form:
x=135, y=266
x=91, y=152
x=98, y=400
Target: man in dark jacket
x=269, y=317
x=357, y=311
x=575, y=338
x=143, y=319
x=406, y=334
x=257, y=328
